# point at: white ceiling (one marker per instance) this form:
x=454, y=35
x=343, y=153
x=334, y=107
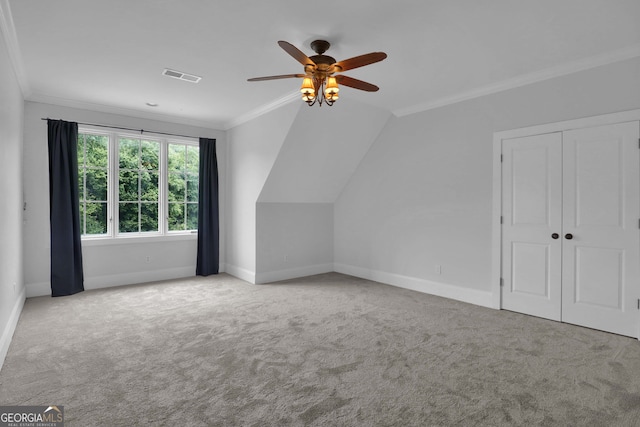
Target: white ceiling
x=109, y=55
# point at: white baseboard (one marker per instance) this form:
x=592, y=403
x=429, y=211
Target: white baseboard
x=292, y=273
x=471, y=296
x=9, y=329
x=241, y=273
x=112, y=280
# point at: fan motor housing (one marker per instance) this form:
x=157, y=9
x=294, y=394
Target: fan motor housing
x=320, y=46
x=323, y=62
x=322, y=59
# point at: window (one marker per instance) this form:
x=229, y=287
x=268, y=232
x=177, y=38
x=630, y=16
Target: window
x=93, y=170
x=182, y=177
x=133, y=186
x=138, y=185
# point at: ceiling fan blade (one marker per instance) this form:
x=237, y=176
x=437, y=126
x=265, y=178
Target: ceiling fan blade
x=296, y=53
x=355, y=83
x=282, y=76
x=359, y=61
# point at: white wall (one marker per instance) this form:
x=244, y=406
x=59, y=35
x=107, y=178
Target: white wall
x=294, y=220
x=422, y=196
x=293, y=240
x=12, y=293
x=253, y=149
x=321, y=151
x=110, y=263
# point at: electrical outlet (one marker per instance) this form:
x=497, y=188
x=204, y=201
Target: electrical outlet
x=438, y=269
x=148, y=258
x=286, y=258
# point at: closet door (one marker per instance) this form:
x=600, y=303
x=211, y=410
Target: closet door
x=532, y=223
x=600, y=231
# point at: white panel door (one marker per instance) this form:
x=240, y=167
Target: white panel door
x=532, y=225
x=601, y=239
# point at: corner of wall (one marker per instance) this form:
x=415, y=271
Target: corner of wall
x=292, y=273
x=241, y=273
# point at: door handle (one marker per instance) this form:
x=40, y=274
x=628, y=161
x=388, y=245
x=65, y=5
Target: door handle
x=568, y=236
x=555, y=235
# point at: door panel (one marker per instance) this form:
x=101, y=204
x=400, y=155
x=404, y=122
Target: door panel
x=599, y=277
x=597, y=179
x=532, y=203
x=530, y=269
x=529, y=180
x=601, y=209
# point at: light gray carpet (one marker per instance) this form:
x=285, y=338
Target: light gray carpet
x=329, y=350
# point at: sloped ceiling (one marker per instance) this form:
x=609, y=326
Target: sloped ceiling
x=321, y=151
x=109, y=55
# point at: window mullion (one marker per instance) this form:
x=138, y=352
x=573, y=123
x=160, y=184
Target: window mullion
x=185, y=176
x=84, y=184
x=163, y=191
x=114, y=194
x=140, y=185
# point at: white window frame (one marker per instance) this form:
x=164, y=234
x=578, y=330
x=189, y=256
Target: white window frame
x=109, y=232
x=113, y=235
x=165, y=177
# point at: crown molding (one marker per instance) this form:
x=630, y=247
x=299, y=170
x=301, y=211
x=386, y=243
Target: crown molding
x=7, y=28
x=81, y=105
x=11, y=41
x=213, y=124
x=287, y=99
x=526, y=79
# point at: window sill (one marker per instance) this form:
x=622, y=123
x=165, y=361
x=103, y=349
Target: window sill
x=132, y=240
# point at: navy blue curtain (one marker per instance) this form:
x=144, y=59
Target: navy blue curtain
x=67, y=277
x=208, y=229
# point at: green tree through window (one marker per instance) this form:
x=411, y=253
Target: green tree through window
x=138, y=184
x=121, y=177
x=93, y=165
x=182, y=177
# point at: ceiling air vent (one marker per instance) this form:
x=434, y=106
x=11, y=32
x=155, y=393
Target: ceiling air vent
x=181, y=76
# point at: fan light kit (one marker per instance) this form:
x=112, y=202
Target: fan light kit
x=320, y=81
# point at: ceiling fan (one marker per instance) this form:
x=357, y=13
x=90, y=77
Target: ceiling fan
x=320, y=81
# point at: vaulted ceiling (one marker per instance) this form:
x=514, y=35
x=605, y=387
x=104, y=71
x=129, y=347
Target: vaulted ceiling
x=109, y=55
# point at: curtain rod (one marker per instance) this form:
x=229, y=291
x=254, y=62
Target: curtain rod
x=136, y=130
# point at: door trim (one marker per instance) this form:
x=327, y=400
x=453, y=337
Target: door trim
x=496, y=237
